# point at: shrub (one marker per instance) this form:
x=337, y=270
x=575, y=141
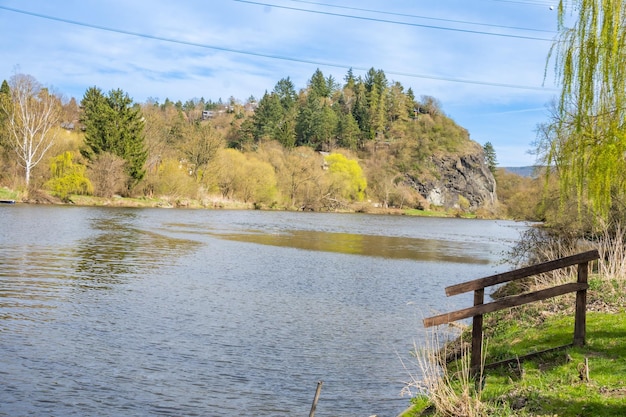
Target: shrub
x=68, y=177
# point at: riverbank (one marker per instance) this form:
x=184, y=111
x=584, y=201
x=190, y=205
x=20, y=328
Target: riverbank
x=572, y=382
x=210, y=202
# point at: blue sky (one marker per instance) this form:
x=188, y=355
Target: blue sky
x=484, y=60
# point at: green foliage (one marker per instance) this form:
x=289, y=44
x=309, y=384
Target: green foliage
x=316, y=124
x=319, y=86
x=244, y=177
x=520, y=197
x=5, y=89
x=274, y=118
x=553, y=384
x=368, y=117
x=68, y=177
x=490, y=157
x=114, y=125
x=586, y=140
x=347, y=176
x=464, y=203
x=173, y=181
x=348, y=132
x=298, y=172
x=267, y=117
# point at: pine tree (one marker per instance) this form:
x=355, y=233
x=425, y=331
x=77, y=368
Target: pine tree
x=5, y=89
x=490, y=157
x=320, y=86
x=114, y=125
x=268, y=117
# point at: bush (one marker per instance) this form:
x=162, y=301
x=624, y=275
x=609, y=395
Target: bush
x=108, y=175
x=68, y=177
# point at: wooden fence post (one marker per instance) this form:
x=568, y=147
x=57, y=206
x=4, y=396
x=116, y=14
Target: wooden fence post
x=316, y=398
x=480, y=308
x=477, y=333
x=580, y=321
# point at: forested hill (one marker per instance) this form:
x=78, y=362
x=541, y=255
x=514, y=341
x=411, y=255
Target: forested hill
x=324, y=146
x=413, y=153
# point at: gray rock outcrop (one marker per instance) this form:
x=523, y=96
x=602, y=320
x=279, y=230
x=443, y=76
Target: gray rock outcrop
x=458, y=181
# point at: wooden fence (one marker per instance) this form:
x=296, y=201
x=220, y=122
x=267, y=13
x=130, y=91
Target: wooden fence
x=480, y=308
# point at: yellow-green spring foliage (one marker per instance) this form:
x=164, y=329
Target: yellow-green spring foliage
x=68, y=177
x=348, y=175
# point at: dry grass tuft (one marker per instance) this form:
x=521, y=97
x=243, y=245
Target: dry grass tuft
x=450, y=387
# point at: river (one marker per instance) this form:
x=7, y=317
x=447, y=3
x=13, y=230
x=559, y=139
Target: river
x=145, y=312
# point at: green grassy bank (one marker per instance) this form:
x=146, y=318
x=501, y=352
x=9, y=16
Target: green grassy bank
x=574, y=381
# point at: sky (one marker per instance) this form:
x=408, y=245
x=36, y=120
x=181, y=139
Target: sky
x=483, y=60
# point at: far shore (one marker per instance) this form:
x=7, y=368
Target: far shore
x=210, y=202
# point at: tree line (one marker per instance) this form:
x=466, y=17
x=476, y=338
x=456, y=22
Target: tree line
x=325, y=146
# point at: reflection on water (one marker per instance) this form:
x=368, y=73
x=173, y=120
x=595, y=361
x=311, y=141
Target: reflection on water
x=119, y=249
x=107, y=251
x=390, y=247
x=115, y=312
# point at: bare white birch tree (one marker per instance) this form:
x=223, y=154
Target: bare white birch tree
x=31, y=113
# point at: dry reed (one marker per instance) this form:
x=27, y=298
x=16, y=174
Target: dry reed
x=451, y=389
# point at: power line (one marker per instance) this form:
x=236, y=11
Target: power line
x=465, y=22
x=530, y=2
x=262, y=55
x=395, y=22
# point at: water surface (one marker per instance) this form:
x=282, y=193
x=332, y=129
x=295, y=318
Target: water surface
x=142, y=312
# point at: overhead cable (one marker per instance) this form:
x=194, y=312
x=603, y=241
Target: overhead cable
x=395, y=22
x=264, y=55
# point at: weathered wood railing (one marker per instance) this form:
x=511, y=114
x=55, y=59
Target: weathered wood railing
x=480, y=308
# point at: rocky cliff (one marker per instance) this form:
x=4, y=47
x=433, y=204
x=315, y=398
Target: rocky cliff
x=460, y=181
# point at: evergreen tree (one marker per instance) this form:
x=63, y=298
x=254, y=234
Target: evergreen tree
x=410, y=103
x=348, y=132
x=266, y=116
x=360, y=111
x=286, y=93
x=396, y=103
x=306, y=120
x=490, y=157
x=5, y=89
x=350, y=80
x=375, y=113
x=319, y=86
x=114, y=125
x=286, y=131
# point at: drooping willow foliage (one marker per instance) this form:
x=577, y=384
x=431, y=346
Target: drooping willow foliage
x=587, y=138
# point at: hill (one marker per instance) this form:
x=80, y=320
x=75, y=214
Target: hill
x=398, y=151
x=527, y=171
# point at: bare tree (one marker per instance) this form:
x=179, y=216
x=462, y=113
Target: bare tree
x=31, y=113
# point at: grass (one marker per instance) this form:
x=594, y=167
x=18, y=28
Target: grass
x=555, y=383
x=438, y=213
x=570, y=382
x=6, y=194
x=164, y=202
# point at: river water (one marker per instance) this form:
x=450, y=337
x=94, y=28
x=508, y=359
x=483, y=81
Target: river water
x=145, y=312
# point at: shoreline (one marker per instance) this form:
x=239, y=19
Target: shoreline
x=216, y=203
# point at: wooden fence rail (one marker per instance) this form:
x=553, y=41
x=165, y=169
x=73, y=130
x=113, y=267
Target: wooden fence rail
x=480, y=308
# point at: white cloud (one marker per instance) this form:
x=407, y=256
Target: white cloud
x=73, y=57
